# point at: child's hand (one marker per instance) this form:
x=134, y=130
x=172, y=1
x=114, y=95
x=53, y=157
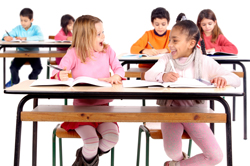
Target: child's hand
x=163, y=51
x=211, y=50
x=8, y=38
x=69, y=38
x=21, y=38
x=115, y=79
x=170, y=77
x=219, y=82
x=150, y=52
x=63, y=75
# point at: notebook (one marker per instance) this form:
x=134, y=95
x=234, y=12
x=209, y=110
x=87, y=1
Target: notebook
x=71, y=82
x=181, y=82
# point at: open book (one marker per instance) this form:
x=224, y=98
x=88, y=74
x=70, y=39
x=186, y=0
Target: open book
x=63, y=41
x=220, y=54
x=137, y=56
x=71, y=82
x=181, y=82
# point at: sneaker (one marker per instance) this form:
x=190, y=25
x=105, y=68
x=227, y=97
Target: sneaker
x=8, y=84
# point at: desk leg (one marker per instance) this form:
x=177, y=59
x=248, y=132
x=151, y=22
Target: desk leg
x=234, y=68
x=228, y=132
x=212, y=107
x=18, y=130
x=34, y=144
x=4, y=72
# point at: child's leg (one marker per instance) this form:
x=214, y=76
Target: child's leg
x=36, y=66
x=16, y=64
x=90, y=140
x=110, y=136
x=204, y=138
x=172, y=133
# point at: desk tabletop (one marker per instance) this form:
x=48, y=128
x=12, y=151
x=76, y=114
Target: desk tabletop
x=34, y=44
x=118, y=91
x=155, y=59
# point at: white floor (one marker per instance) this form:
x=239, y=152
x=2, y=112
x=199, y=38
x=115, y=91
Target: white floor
x=125, y=150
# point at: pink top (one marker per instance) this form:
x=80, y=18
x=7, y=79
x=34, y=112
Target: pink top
x=97, y=67
x=210, y=69
x=220, y=45
x=61, y=36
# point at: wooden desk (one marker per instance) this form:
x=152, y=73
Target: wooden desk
x=40, y=44
x=115, y=92
x=220, y=59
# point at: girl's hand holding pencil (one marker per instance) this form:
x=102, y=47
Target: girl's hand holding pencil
x=219, y=82
x=63, y=75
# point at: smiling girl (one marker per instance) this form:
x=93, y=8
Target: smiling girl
x=90, y=56
x=212, y=35
x=189, y=63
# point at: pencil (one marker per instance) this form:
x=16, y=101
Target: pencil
x=7, y=33
x=55, y=67
x=151, y=45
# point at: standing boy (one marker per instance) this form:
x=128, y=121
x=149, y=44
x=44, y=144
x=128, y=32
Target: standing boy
x=158, y=37
x=25, y=32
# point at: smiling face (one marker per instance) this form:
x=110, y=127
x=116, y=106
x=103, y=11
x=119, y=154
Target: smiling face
x=25, y=22
x=160, y=25
x=179, y=44
x=99, y=39
x=207, y=26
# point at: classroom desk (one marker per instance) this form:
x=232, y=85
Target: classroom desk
x=220, y=59
x=40, y=44
x=115, y=92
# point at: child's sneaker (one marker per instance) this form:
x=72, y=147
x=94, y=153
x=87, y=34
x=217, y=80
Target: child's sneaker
x=8, y=84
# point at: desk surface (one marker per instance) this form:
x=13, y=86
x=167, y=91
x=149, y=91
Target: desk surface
x=34, y=44
x=117, y=91
x=155, y=59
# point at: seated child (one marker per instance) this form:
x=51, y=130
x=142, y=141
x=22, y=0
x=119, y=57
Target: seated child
x=158, y=37
x=67, y=22
x=26, y=32
x=212, y=35
x=189, y=62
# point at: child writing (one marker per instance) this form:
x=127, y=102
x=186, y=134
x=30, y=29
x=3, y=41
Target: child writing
x=25, y=32
x=189, y=63
x=90, y=56
x=67, y=22
x=212, y=35
x=158, y=37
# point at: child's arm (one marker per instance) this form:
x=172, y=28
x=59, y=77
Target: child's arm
x=156, y=72
x=37, y=35
x=67, y=63
x=215, y=72
x=12, y=34
x=61, y=36
x=225, y=45
x=114, y=63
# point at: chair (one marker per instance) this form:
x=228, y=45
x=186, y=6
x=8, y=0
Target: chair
x=61, y=133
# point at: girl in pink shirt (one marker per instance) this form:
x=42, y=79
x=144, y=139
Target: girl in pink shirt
x=212, y=35
x=189, y=63
x=67, y=22
x=90, y=56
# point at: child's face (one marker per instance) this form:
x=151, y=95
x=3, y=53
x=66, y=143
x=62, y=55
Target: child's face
x=98, y=42
x=160, y=25
x=179, y=45
x=26, y=22
x=207, y=25
x=70, y=25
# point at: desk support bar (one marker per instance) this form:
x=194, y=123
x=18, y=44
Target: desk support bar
x=34, y=142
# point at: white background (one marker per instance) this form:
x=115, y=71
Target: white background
x=124, y=23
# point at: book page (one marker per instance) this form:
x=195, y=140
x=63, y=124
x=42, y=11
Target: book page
x=140, y=83
x=188, y=82
x=92, y=81
x=48, y=82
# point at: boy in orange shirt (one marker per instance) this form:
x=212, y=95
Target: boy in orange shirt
x=158, y=38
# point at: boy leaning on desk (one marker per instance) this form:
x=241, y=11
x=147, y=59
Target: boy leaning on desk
x=24, y=32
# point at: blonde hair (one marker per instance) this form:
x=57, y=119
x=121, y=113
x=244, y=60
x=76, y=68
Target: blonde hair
x=84, y=33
